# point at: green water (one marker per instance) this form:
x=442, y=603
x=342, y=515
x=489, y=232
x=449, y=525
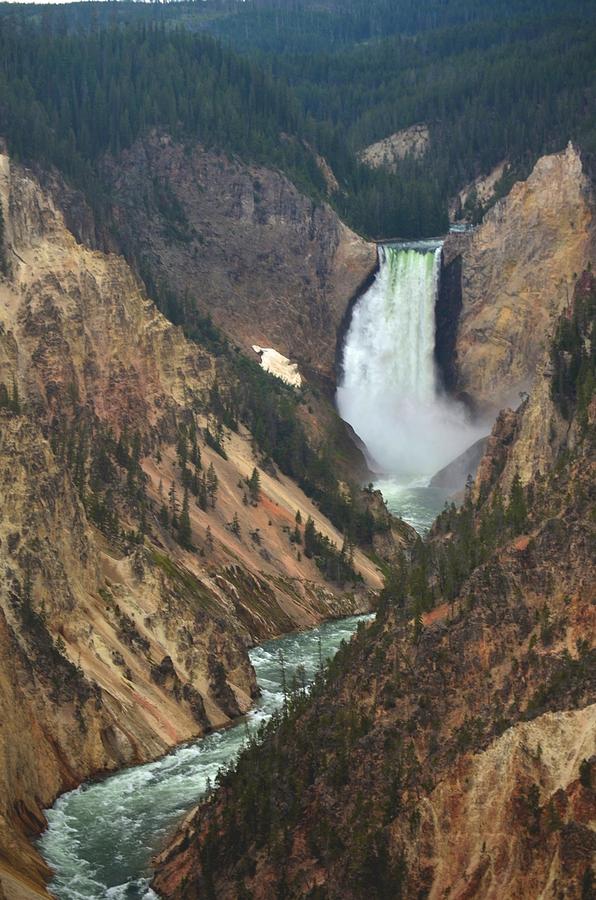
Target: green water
x=101, y=838
x=413, y=501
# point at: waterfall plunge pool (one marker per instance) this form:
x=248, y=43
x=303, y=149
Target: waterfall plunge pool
x=101, y=837
x=413, y=500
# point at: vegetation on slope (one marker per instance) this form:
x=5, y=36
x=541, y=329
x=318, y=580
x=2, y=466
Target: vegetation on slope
x=68, y=99
x=247, y=395
x=574, y=354
x=329, y=801
x=493, y=81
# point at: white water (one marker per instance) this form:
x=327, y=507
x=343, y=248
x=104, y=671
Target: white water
x=389, y=391
x=101, y=838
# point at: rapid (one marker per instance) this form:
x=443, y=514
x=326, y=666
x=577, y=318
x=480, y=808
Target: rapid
x=102, y=837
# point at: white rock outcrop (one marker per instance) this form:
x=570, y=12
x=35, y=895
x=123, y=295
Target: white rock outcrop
x=278, y=365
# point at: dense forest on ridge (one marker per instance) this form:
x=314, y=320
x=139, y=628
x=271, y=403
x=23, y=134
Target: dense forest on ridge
x=276, y=83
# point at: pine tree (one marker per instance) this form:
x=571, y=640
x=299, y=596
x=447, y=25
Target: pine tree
x=173, y=505
x=212, y=484
x=142, y=520
x=254, y=486
x=202, y=496
x=15, y=403
x=164, y=518
x=195, y=483
x=517, y=512
x=182, y=449
x=418, y=623
x=184, y=526
x=195, y=453
x=310, y=538
x=122, y=456
x=136, y=450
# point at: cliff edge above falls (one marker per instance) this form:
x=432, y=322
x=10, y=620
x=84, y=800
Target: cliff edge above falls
x=241, y=243
x=137, y=565
x=515, y=274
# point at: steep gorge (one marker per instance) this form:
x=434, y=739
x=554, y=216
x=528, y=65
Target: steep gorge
x=102, y=631
x=118, y=642
x=165, y=505
x=270, y=265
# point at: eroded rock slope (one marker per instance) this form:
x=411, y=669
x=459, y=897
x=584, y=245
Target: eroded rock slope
x=138, y=561
x=242, y=244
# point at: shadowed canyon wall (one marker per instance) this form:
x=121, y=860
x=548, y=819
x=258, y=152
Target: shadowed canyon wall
x=271, y=266
x=453, y=751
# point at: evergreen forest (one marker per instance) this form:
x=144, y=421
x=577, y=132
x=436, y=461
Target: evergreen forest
x=279, y=82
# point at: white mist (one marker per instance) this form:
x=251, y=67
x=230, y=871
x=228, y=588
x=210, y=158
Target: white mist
x=389, y=391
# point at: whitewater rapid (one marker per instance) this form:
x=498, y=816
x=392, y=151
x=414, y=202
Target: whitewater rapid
x=101, y=837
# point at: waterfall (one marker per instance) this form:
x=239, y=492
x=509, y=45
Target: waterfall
x=389, y=391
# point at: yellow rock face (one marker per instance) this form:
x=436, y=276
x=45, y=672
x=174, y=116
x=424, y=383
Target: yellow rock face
x=387, y=153
x=471, y=822
x=518, y=270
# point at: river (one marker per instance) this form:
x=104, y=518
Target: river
x=413, y=500
x=101, y=837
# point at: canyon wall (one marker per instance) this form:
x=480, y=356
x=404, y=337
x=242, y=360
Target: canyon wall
x=118, y=641
x=240, y=243
x=516, y=271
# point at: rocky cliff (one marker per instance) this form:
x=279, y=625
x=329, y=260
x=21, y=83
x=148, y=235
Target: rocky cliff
x=240, y=243
x=137, y=564
x=546, y=427
x=387, y=153
x=516, y=272
x=452, y=750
